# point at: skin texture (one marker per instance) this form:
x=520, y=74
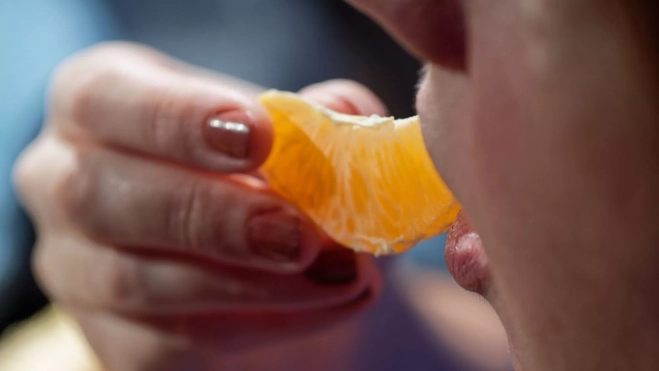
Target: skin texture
x=541, y=116
x=548, y=136
x=155, y=241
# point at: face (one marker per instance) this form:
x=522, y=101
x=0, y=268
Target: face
x=539, y=115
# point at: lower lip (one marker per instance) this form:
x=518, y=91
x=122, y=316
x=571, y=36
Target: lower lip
x=466, y=259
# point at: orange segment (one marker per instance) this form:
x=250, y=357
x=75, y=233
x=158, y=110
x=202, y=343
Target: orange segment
x=367, y=182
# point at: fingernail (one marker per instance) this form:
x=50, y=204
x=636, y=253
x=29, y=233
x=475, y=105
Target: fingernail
x=228, y=133
x=333, y=267
x=275, y=236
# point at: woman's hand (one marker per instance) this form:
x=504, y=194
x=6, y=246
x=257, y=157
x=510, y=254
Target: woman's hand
x=155, y=231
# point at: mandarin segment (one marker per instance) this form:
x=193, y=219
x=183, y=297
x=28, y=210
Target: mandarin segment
x=367, y=182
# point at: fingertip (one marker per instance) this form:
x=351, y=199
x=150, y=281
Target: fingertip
x=283, y=240
x=310, y=244
x=260, y=141
x=345, y=96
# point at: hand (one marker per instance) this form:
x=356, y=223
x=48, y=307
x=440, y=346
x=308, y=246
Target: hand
x=154, y=230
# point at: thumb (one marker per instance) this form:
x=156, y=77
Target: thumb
x=345, y=96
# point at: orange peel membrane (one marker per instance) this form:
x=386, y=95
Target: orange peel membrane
x=367, y=182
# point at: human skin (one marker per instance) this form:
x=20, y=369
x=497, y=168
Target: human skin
x=155, y=231
x=546, y=127
x=541, y=117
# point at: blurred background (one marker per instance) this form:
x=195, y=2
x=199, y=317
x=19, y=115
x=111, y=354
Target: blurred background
x=283, y=44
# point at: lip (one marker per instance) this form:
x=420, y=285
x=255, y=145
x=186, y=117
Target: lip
x=465, y=257
x=433, y=30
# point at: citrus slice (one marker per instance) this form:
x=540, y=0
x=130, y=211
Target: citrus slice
x=367, y=182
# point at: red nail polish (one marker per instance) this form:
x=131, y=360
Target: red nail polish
x=275, y=236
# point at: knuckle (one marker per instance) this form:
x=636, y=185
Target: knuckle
x=25, y=170
x=75, y=85
x=195, y=218
x=78, y=82
x=112, y=280
x=42, y=264
x=86, y=195
x=162, y=119
x=77, y=190
x=170, y=113
x=120, y=283
x=186, y=216
x=86, y=92
x=36, y=172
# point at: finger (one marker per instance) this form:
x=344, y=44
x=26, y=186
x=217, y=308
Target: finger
x=159, y=209
x=121, y=98
x=345, y=96
x=81, y=273
x=245, y=330
x=119, y=343
x=203, y=343
x=37, y=176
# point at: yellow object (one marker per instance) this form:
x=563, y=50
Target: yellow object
x=48, y=341
x=367, y=182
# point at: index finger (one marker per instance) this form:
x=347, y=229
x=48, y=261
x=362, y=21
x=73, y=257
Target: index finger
x=122, y=97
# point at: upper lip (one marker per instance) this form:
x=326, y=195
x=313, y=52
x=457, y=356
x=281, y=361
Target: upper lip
x=465, y=257
x=433, y=30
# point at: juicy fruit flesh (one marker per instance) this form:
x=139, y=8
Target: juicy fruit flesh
x=367, y=182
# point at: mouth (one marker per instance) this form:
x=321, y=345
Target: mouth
x=465, y=257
